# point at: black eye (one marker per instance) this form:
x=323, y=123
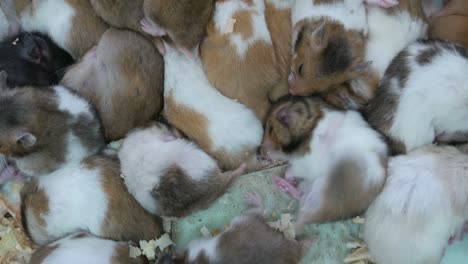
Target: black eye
x=270, y=130
x=299, y=70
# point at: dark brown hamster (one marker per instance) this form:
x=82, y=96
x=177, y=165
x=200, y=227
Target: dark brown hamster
x=32, y=59
x=184, y=21
x=124, y=78
x=120, y=14
x=248, y=240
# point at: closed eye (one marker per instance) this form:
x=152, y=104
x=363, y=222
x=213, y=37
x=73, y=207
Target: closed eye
x=300, y=69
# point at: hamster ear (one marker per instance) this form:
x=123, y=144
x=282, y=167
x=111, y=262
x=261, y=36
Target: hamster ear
x=3, y=80
x=24, y=138
x=319, y=40
x=284, y=117
x=359, y=68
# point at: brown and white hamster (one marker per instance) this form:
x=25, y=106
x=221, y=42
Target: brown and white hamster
x=83, y=248
x=32, y=59
x=75, y=27
x=339, y=160
x=422, y=97
x=329, y=45
x=422, y=208
x=124, y=78
x=184, y=21
x=238, y=54
x=248, y=240
x=170, y=176
x=52, y=134
x=222, y=127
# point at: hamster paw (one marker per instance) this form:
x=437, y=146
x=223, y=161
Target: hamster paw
x=151, y=28
x=253, y=199
x=383, y=3
x=286, y=187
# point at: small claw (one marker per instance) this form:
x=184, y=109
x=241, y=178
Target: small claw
x=152, y=29
x=253, y=199
x=286, y=187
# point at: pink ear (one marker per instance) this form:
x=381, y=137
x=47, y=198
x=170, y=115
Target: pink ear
x=24, y=138
x=283, y=116
x=319, y=38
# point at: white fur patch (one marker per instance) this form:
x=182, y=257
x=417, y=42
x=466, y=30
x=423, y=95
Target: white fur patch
x=84, y=250
x=76, y=200
x=351, y=138
x=145, y=156
x=280, y=4
x=72, y=103
x=389, y=34
x=232, y=127
x=208, y=247
x=434, y=100
x=224, y=14
x=52, y=17
x=351, y=13
x=411, y=221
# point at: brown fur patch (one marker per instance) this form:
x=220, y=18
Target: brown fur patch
x=40, y=255
x=120, y=14
x=381, y=109
x=122, y=256
x=87, y=29
x=425, y=57
x=317, y=69
x=185, y=20
x=34, y=204
x=253, y=241
x=290, y=124
x=36, y=111
x=125, y=218
x=452, y=28
x=179, y=195
x=280, y=27
x=346, y=195
x=244, y=23
x=249, y=79
x=125, y=82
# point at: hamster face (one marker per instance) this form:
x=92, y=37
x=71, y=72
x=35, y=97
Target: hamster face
x=290, y=124
x=325, y=55
x=32, y=59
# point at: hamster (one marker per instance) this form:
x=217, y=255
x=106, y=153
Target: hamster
x=224, y=128
x=248, y=240
x=52, y=134
x=451, y=23
x=423, y=205
x=339, y=159
x=329, y=41
x=124, y=78
x=184, y=21
x=75, y=27
x=238, y=54
x=422, y=97
x=81, y=248
x=32, y=59
x=392, y=30
x=170, y=176
x=278, y=19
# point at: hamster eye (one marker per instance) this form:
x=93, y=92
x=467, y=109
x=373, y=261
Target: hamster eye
x=270, y=130
x=301, y=67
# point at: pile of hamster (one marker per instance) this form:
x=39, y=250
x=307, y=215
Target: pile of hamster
x=367, y=101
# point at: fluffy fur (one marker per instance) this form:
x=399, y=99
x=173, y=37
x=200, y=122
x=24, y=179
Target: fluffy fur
x=423, y=96
x=120, y=14
x=170, y=176
x=224, y=128
x=75, y=26
x=240, y=61
x=339, y=158
x=424, y=203
x=82, y=248
x=248, y=239
x=124, y=78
